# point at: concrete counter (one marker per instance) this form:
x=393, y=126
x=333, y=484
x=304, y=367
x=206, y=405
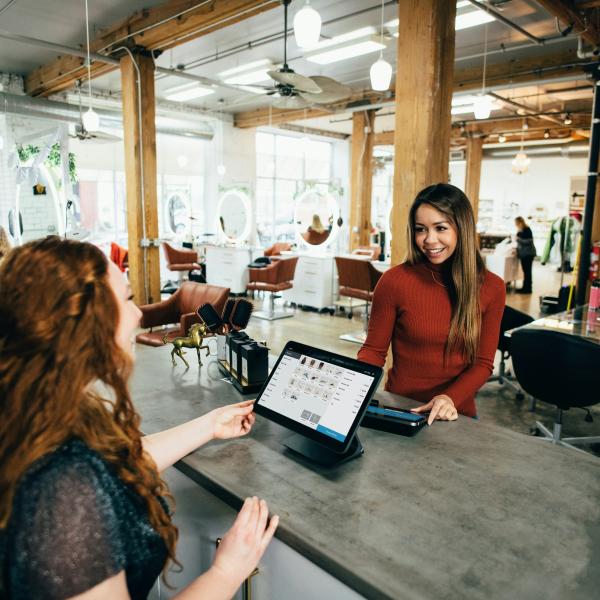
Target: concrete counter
x=462, y=510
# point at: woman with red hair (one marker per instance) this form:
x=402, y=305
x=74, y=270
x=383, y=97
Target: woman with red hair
x=83, y=510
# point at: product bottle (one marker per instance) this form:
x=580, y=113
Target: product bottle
x=594, y=303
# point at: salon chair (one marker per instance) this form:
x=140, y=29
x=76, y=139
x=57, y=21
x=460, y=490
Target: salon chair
x=179, y=310
x=274, y=278
x=315, y=238
x=181, y=261
x=560, y=369
x=372, y=252
x=120, y=256
x=357, y=279
x=277, y=248
x=510, y=319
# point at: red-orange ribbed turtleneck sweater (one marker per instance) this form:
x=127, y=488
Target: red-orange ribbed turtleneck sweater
x=412, y=309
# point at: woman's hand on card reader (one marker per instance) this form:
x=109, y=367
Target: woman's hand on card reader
x=440, y=408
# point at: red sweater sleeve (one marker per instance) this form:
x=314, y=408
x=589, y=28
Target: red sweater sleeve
x=472, y=378
x=381, y=323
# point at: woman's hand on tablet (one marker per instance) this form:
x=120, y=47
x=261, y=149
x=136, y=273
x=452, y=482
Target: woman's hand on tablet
x=233, y=420
x=440, y=408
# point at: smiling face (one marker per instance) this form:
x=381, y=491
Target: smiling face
x=129, y=313
x=435, y=235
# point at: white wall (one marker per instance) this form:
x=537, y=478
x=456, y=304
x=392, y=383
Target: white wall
x=546, y=185
x=236, y=149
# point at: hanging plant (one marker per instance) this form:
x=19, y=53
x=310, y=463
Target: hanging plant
x=53, y=160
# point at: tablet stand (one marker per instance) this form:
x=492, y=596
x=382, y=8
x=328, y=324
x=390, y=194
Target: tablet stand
x=320, y=454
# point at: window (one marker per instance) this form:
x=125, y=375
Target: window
x=283, y=163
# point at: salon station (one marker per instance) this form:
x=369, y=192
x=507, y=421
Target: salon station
x=249, y=165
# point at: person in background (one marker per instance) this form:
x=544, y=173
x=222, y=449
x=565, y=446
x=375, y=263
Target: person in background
x=83, y=510
x=441, y=310
x=5, y=245
x=526, y=252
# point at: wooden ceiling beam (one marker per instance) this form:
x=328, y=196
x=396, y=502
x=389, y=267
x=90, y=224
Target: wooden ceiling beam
x=384, y=138
x=275, y=116
x=336, y=135
x=160, y=28
x=528, y=70
x=570, y=14
x=488, y=126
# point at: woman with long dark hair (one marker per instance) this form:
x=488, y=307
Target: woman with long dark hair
x=440, y=310
x=83, y=510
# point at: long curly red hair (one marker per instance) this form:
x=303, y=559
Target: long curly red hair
x=58, y=318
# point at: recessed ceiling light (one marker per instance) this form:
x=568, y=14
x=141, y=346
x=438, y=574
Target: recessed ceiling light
x=253, y=72
x=188, y=91
x=463, y=21
x=343, y=52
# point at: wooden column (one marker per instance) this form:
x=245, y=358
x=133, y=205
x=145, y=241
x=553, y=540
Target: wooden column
x=473, y=176
x=424, y=81
x=361, y=178
x=140, y=176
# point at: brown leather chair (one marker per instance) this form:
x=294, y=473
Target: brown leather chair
x=277, y=248
x=179, y=308
x=276, y=277
x=180, y=260
x=357, y=279
x=315, y=238
x=372, y=252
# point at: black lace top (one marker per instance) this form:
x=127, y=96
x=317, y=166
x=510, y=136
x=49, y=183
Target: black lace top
x=74, y=523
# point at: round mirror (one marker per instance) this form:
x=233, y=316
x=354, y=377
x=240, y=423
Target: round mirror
x=233, y=216
x=177, y=213
x=315, y=216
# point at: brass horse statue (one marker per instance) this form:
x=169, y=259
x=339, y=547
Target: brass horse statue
x=194, y=339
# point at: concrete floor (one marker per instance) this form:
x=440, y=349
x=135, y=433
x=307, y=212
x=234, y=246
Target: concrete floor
x=495, y=403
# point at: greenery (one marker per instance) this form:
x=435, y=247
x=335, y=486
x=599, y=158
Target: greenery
x=310, y=184
x=53, y=159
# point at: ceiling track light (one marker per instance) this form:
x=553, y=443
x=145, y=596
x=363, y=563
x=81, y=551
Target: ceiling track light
x=568, y=119
x=546, y=134
x=381, y=70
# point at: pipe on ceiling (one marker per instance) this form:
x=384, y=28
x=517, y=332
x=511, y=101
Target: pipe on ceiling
x=565, y=150
x=42, y=108
x=500, y=17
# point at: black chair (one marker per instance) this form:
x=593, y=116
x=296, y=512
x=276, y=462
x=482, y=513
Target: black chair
x=510, y=319
x=560, y=369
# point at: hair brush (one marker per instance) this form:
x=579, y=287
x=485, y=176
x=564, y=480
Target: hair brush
x=210, y=317
x=227, y=310
x=241, y=313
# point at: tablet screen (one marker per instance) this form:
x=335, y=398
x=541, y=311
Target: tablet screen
x=323, y=395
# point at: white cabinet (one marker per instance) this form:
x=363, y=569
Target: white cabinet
x=283, y=573
x=313, y=282
x=228, y=267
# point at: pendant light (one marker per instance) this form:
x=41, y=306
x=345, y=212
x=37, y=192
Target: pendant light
x=307, y=26
x=521, y=161
x=91, y=120
x=482, y=106
x=381, y=70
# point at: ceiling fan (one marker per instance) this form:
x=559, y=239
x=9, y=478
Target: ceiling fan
x=298, y=91
x=78, y=130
